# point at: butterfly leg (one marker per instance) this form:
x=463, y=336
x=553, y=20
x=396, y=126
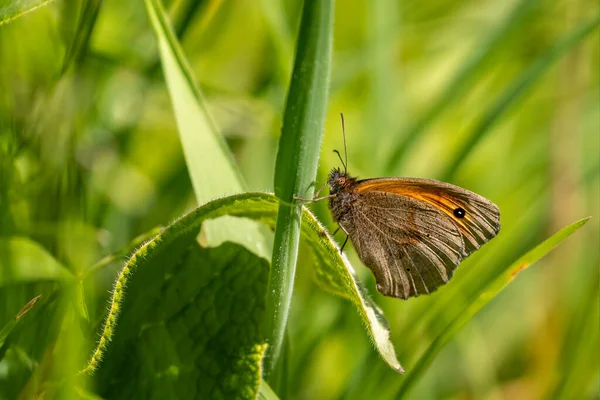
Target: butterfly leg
x=314, y=199
x=343, y=245
x=336, y=231
x=319, y=189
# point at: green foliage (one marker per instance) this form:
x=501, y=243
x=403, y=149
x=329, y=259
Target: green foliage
x=199, y=135
x=118, y=117
x=189, y=325
x=331, y=271
x=486, y=295
x=459, y=82
x=516, y=90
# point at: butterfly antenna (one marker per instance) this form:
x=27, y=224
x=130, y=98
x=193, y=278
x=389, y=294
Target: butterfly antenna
x=340, y=156
x=345, y=149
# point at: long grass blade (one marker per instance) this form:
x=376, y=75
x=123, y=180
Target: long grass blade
x=210, y=163
x=516, y=91
x=458, y=84
x=484, y=298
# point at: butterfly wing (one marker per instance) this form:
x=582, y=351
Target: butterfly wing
x=412, y=234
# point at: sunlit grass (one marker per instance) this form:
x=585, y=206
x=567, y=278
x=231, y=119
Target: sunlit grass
x=99, y=145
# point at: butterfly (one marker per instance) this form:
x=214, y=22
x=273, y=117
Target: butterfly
x=412, y=233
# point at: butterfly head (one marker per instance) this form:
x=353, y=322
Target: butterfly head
x=339, y=181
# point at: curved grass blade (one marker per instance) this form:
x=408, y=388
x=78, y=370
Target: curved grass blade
x=458, y=84
x=517, y=90
x=332, y=271
x=297, y=160
x=487, y=295
x=211, y=166
x=17, y=8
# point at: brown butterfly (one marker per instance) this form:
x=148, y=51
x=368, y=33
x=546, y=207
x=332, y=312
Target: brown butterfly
x=412, y=233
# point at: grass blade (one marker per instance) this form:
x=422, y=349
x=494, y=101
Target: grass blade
x=516, y=91
x=458, y=84
x=8, y=328
x=484, y=298
x=297, y=160
x=211, y=166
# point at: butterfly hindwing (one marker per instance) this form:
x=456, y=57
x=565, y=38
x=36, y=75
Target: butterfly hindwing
x=409, y=251
x=481, y=220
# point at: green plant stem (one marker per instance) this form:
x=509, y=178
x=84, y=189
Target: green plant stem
x=297, y=161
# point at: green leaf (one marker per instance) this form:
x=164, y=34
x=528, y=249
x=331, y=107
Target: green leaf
x=23, y=260
x=190, y=325
x=210, y=163
x=516, y=91
x=297, y=161
x=13, y=9
x=491, y=291
x=168, y=257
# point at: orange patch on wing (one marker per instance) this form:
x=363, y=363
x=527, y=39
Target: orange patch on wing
x=399, y=187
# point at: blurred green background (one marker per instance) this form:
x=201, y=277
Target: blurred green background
x=90, y=158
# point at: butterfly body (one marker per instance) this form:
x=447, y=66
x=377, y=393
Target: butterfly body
x=412, y=233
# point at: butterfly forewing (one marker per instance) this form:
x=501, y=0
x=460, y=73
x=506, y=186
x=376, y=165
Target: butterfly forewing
x=412, y=233
x=481, y=220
